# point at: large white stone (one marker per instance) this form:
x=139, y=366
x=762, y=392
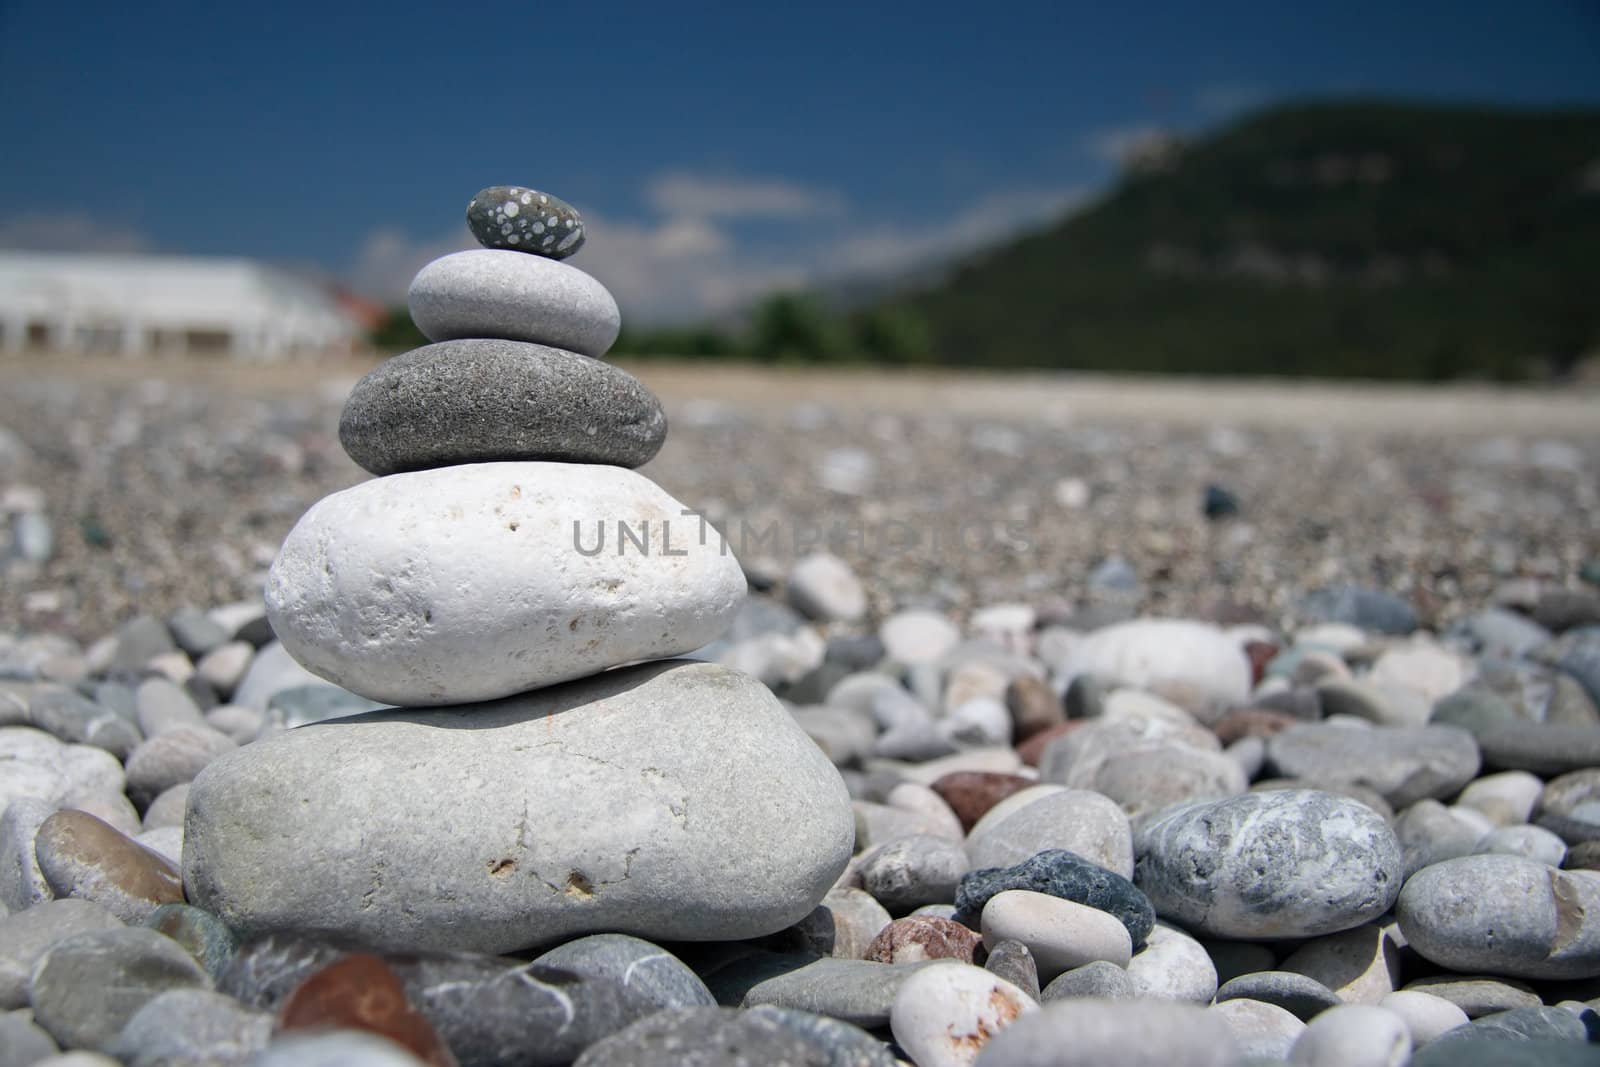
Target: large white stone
x=673, y=801
x=493, y=293
x=478, y=581
x=1152, y=653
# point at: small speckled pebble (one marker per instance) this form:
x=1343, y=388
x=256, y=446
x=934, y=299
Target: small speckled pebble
x=520, y=219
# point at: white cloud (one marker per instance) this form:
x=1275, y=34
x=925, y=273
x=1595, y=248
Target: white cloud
x=388, y=259
x=1121, y=144
x=70, y=231
x=705, y=196
x=687, y=262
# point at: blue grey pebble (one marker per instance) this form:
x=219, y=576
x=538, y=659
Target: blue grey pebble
x=1499, y=1052
x=707, y=1037
x=1060, y=874
x=1530, y=1024
x=1370, y=609
x=846, y=1045
x=203, y=935
x=651, y=977
x=1303, y=997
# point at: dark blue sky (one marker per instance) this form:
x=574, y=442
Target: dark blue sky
x=719, y=149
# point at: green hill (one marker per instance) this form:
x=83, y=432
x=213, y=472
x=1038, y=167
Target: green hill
x=1365, y=239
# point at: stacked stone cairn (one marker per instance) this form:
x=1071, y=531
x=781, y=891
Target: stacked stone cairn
x=513, y=586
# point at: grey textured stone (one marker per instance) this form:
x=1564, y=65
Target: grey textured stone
x=650, y=977
x=71, y=717
x=1370, y=609
x=25, y=936
x=1066, y=875
x=843, y=925
x=1404, y=765
x=1477, y=995
x=1503, y=915
x=1093, y=1031
x=192, y=1028
x=1095, y=979
x=22, y=883
x=846, y=1045
x=1530, y=1024
x=163, y=705
x=1013, y=961
x=1303, y=997
x=856, y=991
x=196, y=632
x=86, y=987
x=521, y=219
x=478, y=401
x=707, y=1037
x=171, y=758
x=1173, y=966
x=201, y=934
x=1541, y=748
x=1353, y=1035
x=496, y=294
x=1288, y=863
x=336, y=1048
x=138, y=641
x=913, y=871
x=1504, y=1052
x=671, y=800
x=1077, y=820
x=1429, y=833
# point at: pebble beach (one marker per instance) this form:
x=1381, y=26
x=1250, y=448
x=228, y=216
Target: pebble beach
x=958, y=720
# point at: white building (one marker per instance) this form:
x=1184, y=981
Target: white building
x=137, y=305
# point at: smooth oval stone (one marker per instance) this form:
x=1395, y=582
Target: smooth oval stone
x=1477, y=995
x=1404, y=765
x=1530, y=842
x=943, y=1016
x=843, y=925
x=923, y=937
x=1097, y=978
x=81, y=856
x=1173, y=966
x=496, y=294
x=1263, y=1030
x=1503, y=915
x=912, y=871
x=856, y=991
x=26, y=935
x=1541, y=748
x=1068, y=876
x=22, y=884
x=651, y=978
x=1304, y=998
x=481, y=401
x=474, y=582
x=172, y=758
x=1532, y=1024
x=21, y=1042
x=912, y=637
x=1361, y=966
x=1080, y=821
x=334, y=1048
x=706, y=1037
x=87, y=987
x=846, y=1045
x=74, y=718
x=1505, y=1052
x=671, y=800
x=1287, y=863
x=1426, y=1015
x=521, y=219
x=361, y=992
x=1507, y=798
x=1370, y=609
x=1353, y=1035
x=191, y=1027
x=1093, y=1031
x=1059, y=933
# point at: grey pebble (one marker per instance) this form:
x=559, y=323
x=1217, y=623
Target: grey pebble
x=479, y=401
x=1304, y=998
x=72, y=717
x=912, y=871
x=26, y=935
x=1012, y=960
x=22, y=883
x=195, y=632
x=164, y=706
x=845, y=1045
x=1099, y=978
x=85, y=988
x=707, y=1037
x=856, y=991
x=1529, y=1024
x=1094, y=1031
x=489, y=293
x=649, y=976
x=1541, y=748
x=173, y=757
x=140, y=640
x=335, y=1048
x=22, y=1042
x=520, y=219
x=1404, y=765
x=1477, y=995
x=192, y=1028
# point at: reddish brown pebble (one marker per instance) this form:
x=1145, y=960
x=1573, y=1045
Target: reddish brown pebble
x=82, y=856
x=971, y=793
x=1033, y=748
x=924, y=937
x=1260, y=653
x=1251, y=722
x=1034, y=706
x=361, y=992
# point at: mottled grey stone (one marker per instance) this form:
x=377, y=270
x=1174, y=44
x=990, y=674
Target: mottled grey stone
x=1303, y=997
x=497, y=294
x=196, y=632
x=650, y=977
x=1477, y=995
x=479, y=401
x=1503, y=915
x=1529, y=1024
x=856, y=991
x=669, y=800
x=1095, y=1031
x=202, y=935
x=138, y=641
x=1429, y=833
x=913, y=871
x=1474, y=709
x=846, y=1045
x=707, y=1037
x=71, y=717
x=1541, y=748
x=264, y=971
x=86, y=987
x=1173, y=966
x=171, y=758
x=192, y=1028
x=1404, y=765
x=1096, y=979
x=1288, y=863
x=164, y=706
x=1077, y=820
x=1503, y=1052
x=1532, y=842
x=520, y=219
x=22, y=883
x=1370, y=609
